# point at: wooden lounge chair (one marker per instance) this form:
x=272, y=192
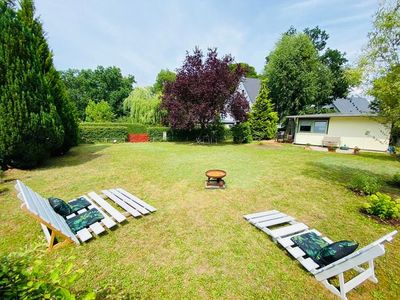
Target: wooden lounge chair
x=282, y=228
x=55, y=227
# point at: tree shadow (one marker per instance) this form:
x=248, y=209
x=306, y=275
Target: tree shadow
x=342, y=175
x=379, y=156
x=221, y=144
x=75, y=156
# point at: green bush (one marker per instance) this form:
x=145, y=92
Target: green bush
x=241, y=133
x=396, y=179
x=107, y=134
x=383, y=206
x=364, y=184
x=156, y=133
x=23, y=275
x=214, y=133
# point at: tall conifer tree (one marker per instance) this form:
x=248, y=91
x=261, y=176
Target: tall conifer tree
x=31, y=125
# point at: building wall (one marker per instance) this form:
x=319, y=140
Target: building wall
x=362, y=132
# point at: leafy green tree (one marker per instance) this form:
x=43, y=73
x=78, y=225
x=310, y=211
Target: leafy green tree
x=386, y=90
x=296, y=76
x=263, y=119
x=332, y=58
x=249, y=71
x=31, y=124
x=317, y=36
x=335, y=61
x=162, y=77
x=106, y=84
x=143, y=106
x=353, y=76
x=99, y=112
x=383, y=49
x=381, y=62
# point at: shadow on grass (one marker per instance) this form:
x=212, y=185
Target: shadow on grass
x=379, y=156
x=76, y=156
x=191, y=143
x=342, y=175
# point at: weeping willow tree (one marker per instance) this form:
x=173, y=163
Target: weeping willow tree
x=143, y=106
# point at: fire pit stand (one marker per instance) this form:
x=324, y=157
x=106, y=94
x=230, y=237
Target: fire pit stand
x=214, y=179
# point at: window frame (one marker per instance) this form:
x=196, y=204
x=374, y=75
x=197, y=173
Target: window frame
x=312, y=121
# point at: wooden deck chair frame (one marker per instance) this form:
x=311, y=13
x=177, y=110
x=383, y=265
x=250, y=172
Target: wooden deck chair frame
x=55, y=227
x=289, y=228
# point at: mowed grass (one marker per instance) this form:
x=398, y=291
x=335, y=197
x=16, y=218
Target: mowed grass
x=197, y=245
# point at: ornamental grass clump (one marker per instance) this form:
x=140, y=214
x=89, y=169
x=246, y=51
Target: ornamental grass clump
x=383, y=206
x=363, y=184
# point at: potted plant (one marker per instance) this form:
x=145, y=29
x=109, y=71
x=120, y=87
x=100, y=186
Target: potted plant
x=332, y=147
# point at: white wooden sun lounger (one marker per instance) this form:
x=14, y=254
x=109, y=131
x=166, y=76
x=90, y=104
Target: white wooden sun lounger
x=289, y=227
x=55, y=226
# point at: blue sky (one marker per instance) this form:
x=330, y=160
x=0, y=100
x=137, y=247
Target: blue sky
x=142, y=37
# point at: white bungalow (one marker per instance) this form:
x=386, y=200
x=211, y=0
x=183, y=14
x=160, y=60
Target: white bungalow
x=353, y=125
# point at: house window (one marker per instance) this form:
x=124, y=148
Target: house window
x=313, y=126
x=305, y=126
x=320, y=126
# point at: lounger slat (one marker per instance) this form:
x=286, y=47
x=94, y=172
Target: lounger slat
x=288, y=230
x=107, y=221
x=107, y=207
x=84, y=235
x=132, y=203
x=274, y=222
x=296, y=252
x=267, y=218
x=137, y=200
x=122, y=203
x=97, y=228
x=260, y=214
x=309, y=264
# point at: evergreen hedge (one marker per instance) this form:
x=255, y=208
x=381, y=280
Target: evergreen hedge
x=156, y=133
x=131, y=127
x=102, y=134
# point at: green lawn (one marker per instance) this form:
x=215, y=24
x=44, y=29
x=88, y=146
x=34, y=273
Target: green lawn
x=197, y=245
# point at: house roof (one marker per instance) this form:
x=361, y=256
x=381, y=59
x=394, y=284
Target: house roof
x=322, y=116
x=252, y=86
x=352, y=105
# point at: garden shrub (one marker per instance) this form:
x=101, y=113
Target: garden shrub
x=396, y=179
x=365, y=184
x=383, y=206
x=93, y=134
x=213, y=133
x=241, y=133
x=156, y=133
x=23, y=275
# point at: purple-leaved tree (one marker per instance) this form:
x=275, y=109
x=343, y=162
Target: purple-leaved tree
x=204, y=90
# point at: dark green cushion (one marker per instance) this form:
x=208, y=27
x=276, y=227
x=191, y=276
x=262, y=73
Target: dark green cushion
x=84, y=220
x=335, y=251
x=78, y=204
x=60, y=206
x=310, y=243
